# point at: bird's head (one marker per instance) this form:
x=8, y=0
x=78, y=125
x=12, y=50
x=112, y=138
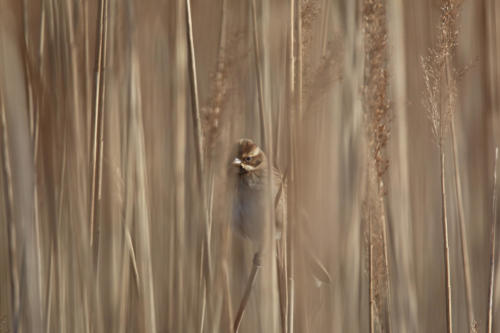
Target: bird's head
x=249, y=157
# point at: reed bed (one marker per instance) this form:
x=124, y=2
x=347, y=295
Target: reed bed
x=118, y=122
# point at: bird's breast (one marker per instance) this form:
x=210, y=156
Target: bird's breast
x=249, y=213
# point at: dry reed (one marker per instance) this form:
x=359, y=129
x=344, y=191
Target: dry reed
x=491, y=284
x=376, y=104
x=440, y=102
x=98, y=105
x=11, y=226
x=138, y=144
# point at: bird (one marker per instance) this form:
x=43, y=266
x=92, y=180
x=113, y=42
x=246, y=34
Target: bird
x=250, y=204
x=254, y=178
x=252, y=183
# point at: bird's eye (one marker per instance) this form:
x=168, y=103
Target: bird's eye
x=248, y=159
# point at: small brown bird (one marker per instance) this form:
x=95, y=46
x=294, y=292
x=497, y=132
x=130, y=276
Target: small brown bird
x=251, y=185
x=249, y=214
x=251, y=204
x=249, y=207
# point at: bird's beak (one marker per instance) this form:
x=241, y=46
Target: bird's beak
x=236, y=162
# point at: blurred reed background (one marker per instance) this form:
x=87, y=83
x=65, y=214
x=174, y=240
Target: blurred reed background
x=115, y=148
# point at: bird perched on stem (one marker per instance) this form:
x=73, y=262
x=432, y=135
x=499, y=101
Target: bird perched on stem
x=250, y=206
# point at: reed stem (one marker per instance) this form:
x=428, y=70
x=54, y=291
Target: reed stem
x=248, y=289
x=491, y=284
x=98, y=107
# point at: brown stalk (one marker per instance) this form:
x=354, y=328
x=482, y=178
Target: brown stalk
x=386, y=255
x=491, y=284
x=371, y=299
x=214, y=113
x=194, y=97
x=282, y=279
x=9, y=215
x=291, y=51
x=462, y=229
x=377, y=107
x=292, y=118
x=126, y=255
x=142, y=208
x=48, y=293
x=195, y=111
x=36, y=130
x=492, y=52
x=27, y=69
x=444, y=220
x=88, y=81
x=264, y=134
x=493, y=84
x=98, y=108
x=178, y=257
x=227, y=296
x=42, y=37
x=127, y=211
x=440, y=102
x=33, y=119
x=324, y=28
x=444, y=217
x=59, y=240
x=246, y=295
x=450, y=84
x=291, y=300
x=265, y=139
x=300, y=56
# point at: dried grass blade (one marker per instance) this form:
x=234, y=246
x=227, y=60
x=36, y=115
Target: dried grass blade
x=491, y=284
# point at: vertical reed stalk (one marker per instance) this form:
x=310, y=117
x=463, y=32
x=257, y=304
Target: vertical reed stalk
x=198, y=136
x=282, y=279
x=300, y=59
x=377, y=105
x=493, y=84
x=371, y=296
x=491, y=283
x=324, y=27
x=98, y=108
x=292, y=146
x=383, y=222
x=258, y=70
x=490, y=7
x=246, y=295
x=27, y=68
x=197, y=131
x=33, y=127
x=40, y=74
x=444, y=220
x=48, y=293
x=440, y=82
x=462, y=229
x=11, y=225
x=219, y=90
x=450, y=85
x=142, y=208
x=227, y=296
x=87, y=75
x=265, y=139
x=194, y=96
